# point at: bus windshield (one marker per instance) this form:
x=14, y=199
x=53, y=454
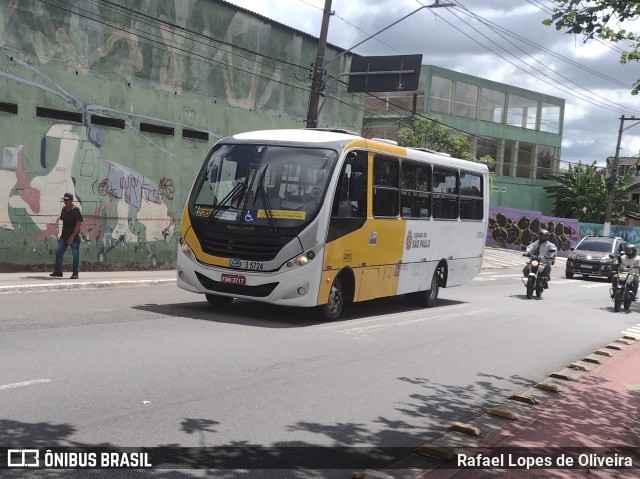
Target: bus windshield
x=275, y=186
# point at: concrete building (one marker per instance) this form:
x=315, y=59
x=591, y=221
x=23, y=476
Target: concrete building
x=119, y=102
x=520, y=129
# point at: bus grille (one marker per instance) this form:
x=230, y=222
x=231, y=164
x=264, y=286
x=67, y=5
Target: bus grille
x=259, y=291
x=254, y=248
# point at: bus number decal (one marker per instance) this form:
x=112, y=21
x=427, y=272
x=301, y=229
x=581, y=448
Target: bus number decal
x=346, y=255
x=253, y=265
x=203, y=211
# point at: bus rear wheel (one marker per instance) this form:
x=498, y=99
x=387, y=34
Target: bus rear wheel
x=332, y=309
x=428, y=298
x=218, y=301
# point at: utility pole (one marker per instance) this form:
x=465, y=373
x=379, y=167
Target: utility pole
x=317, y=81
x=611, y=182
x=318, y=69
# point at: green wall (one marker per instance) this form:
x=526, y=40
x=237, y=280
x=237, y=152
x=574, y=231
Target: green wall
x=202, y=66
x=522, y=193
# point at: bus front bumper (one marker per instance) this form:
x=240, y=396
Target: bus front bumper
x=296, y=287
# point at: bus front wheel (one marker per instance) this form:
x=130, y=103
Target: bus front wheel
x=332, y=309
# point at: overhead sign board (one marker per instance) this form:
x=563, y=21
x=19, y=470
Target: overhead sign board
x=384, y=73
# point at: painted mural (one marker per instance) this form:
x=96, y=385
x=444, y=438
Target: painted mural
x=629, y=233
x=166, y=63
x=513, y=228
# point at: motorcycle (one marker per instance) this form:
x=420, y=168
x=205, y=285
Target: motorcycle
x=536, y=281
x=622, y=289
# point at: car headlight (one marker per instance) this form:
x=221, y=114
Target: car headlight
x=605, y=259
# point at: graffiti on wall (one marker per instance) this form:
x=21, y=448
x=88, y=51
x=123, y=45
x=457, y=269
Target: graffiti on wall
x=131, y=187
x=514, y=228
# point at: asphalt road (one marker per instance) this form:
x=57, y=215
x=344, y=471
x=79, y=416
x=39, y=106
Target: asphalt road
x=152, y=366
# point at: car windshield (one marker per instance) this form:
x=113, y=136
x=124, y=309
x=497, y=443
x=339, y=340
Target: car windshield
x=600, y=245
x=278, y=186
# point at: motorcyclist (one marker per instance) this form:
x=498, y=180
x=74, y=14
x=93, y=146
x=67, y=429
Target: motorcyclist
x=542, y=248
x=629, y=262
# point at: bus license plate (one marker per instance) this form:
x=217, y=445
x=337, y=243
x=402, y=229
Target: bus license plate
x=233, y=279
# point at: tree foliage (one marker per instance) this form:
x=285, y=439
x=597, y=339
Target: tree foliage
x=601, y=19
x=581, y=193
x=428, y=132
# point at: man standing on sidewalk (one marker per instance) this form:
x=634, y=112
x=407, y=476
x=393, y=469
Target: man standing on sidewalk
x=71, y=221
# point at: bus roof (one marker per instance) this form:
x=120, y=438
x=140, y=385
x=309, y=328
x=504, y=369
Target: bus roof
x=334, y=136
x=302, y=135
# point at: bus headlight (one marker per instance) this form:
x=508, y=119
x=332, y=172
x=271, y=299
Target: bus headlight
x=185, y=247
x=301, y=260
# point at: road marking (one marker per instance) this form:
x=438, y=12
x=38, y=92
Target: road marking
x=382, y=317
x=380, y=327
x=24, y=383
x=596, y=285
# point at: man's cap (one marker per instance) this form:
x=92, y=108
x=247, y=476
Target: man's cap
x=68, y=196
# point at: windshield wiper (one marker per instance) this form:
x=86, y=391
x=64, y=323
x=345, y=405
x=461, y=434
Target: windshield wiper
x=232, y=196
x=266, y=203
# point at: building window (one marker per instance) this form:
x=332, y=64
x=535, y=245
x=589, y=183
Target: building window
x=546, y=160
x=465, y=100
x=525, y=159
x=375, y=131
x=440, y=95
x=522, y=112
x=491, y=105
x=550, y=118
x=490, y=147
x=509, y=157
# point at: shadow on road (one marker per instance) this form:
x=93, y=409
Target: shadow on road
x=263, y=315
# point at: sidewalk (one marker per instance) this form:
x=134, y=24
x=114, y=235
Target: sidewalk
x=36, y=281
x=592, y=416
x=33, y=281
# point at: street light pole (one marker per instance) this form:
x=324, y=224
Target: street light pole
x=317, y=82
x=611, y=182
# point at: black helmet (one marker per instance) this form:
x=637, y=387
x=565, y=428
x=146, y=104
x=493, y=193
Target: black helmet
x=543, y=235
x=630, y=250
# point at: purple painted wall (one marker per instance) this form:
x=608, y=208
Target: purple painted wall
x=513, y=228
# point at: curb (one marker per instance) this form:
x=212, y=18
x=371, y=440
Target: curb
x=82, y=285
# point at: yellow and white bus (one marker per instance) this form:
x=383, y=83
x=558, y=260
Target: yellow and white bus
x=324, y=218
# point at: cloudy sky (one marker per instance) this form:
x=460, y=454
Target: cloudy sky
x=501, y=40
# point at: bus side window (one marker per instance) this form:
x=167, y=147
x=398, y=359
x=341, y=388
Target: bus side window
x=386, y=186
x=350, y=200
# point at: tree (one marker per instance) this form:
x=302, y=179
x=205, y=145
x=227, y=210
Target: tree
x=428, y=132
x=593, y=18
x=581, y=193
